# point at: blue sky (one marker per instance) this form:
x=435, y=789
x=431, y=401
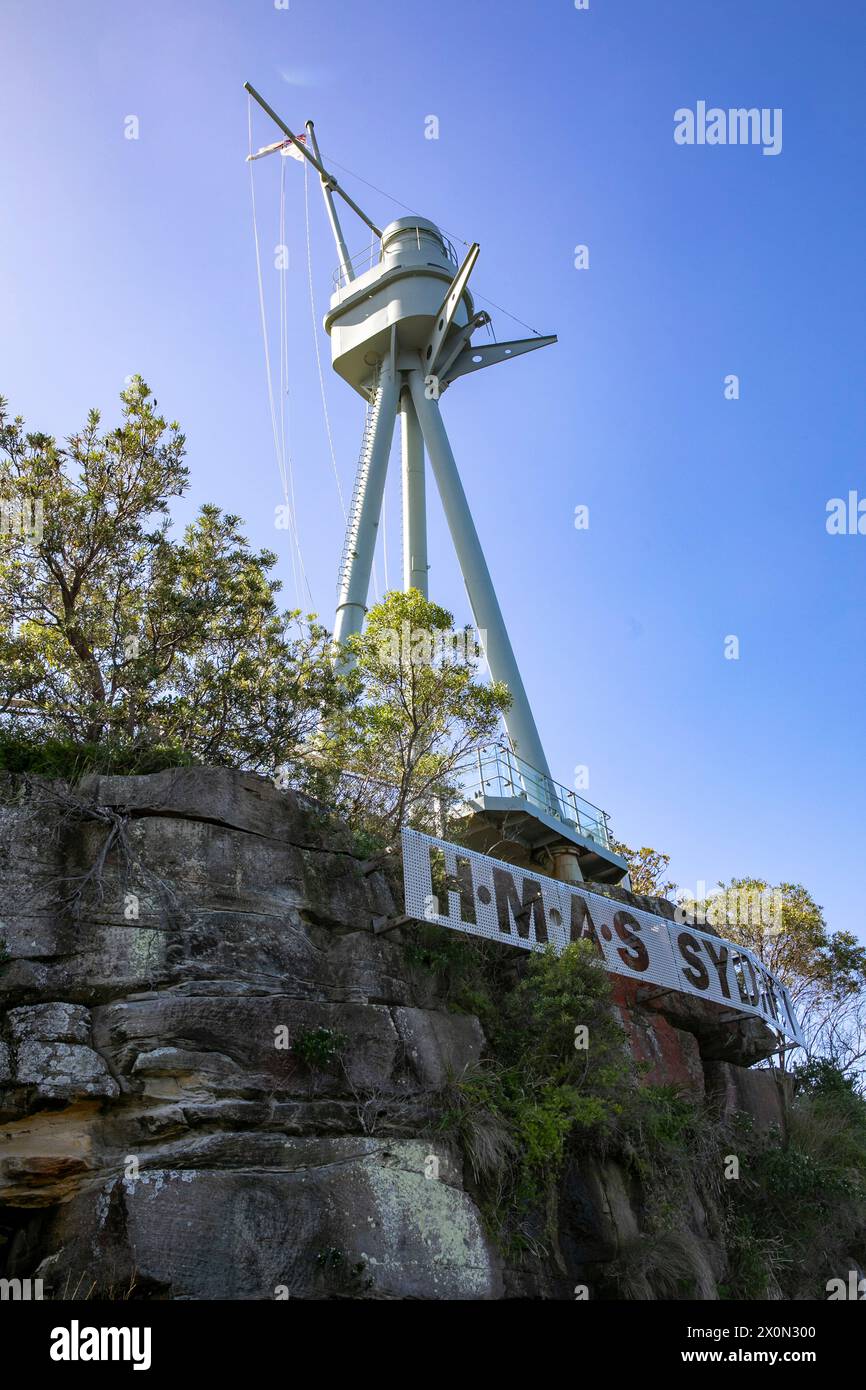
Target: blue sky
x=707, y=516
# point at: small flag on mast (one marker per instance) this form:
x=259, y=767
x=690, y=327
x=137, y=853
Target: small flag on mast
x=285, y=147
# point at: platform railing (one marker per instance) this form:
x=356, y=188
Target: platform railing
x=371, y=255
x=359, y=263
x=497, y=772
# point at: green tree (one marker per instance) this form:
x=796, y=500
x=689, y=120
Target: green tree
x=785, y=928
x=647, y=868
x=418, y=709
x=824, y=971
x=112, y=632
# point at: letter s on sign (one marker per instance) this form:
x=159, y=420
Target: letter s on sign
x=636, y=957
x=696, y=972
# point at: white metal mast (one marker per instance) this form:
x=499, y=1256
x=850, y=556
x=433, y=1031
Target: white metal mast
x=400, y=335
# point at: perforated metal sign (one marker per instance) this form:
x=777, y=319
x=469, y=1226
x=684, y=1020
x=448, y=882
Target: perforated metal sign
x=459, y=888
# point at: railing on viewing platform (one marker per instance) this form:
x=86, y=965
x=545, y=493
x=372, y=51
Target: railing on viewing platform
x=497, y=772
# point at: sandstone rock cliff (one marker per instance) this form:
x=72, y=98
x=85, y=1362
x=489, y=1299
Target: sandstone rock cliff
x=156, y=1134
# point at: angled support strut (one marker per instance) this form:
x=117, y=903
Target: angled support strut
x=479, y=586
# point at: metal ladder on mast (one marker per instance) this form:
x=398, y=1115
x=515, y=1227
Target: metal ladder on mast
x=363, y=469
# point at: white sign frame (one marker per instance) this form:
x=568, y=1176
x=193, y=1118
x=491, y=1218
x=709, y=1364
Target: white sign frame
x=519, y=907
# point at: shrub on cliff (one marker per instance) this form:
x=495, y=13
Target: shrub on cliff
x=557, y=1071
x=798, y=1215
x=786, y=1217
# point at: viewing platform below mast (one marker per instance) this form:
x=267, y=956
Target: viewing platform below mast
x=518, y=813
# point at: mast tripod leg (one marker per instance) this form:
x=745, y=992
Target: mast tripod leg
x=415, y=565
x=363, y=524
x=479, y=586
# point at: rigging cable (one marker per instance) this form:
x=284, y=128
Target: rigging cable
x=376, y=189
x=453, y=235
x=278, y=436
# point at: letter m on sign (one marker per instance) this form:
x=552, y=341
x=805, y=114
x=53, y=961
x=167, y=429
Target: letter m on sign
x=527, y=910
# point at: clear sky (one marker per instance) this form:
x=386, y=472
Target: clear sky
x=707, y=515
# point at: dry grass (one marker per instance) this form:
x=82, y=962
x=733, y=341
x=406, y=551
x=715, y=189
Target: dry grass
x=667, y=1265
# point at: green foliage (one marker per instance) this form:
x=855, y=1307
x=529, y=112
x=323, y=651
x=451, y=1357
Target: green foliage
x=646, y=868
x=791, y=1173
x=665, y=1121
x=516, y=1115
x=366, y=843
x=319, y=1047
x=112, y=632
x=799, y=948
x=821, y=1077
x=418, y=710
x=457, y=961
x=556, y=994
x=668, y=1139
x=827, y=1121
x=757, y=1263
x=69, y=760
x=798, y=1206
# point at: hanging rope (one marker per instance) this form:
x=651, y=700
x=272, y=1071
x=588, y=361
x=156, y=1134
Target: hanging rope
x=288, y=452
x=278, y=429
x=316, y=343
x=284, y=365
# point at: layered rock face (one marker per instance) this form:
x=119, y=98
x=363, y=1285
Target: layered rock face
x=155, y=1120
x=160, y=1132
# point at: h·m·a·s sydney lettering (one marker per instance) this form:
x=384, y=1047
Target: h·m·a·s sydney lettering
x=471, y=892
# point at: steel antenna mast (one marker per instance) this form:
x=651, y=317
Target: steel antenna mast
x=401, y=335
